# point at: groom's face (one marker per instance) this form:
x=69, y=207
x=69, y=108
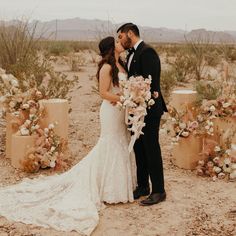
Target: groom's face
x=125, y=40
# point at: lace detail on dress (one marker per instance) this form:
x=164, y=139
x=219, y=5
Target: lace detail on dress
x=72, y=200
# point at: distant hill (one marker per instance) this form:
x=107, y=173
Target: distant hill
x=82, y=29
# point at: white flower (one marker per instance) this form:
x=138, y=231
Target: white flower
x=185, y=134
x=221, y=175
x=37, y=126
x=217, y=149
x=14, y=83
x=151, y=102
x=227, y=165
x=12, y=104
x=32, y=116
x=214, y=178
x=212, y=108
x=226, y=104
x=38, y=93
x=52, y=164
x=217, y=169
x=5, y=77
x=216, y=160
x=16, y=113
x=211, y=130
x=182, y=125
x=27, y=122
x=228, y=151
x=232, y=175
x=46, y=130
x=233, y=166
x=2, y=99
x=200, y=118
x=25, y=106
x=53, y=149
x=24, y=131
x=201, y=162
x=51, y=126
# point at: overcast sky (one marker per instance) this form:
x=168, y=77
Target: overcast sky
x=176, y=14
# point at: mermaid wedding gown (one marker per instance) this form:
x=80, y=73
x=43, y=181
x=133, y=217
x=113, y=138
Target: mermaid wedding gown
x=72, y=200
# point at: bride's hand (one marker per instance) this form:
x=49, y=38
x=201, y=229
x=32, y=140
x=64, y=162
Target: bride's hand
x=114, y=103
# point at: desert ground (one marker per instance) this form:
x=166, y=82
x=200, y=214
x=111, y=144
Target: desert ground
x=194, y=206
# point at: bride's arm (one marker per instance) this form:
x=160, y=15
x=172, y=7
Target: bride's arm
x=105, y=81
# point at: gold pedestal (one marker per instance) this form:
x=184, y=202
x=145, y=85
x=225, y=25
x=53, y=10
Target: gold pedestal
x=10, y=130
x=187, y=152
x=19, y=148
x=56, y=110
x=182, y=99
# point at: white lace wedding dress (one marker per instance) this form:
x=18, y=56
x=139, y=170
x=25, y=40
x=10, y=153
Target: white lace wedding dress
x=72, y=200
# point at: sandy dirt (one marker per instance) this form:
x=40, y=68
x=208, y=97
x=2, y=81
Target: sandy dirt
x=194, y=205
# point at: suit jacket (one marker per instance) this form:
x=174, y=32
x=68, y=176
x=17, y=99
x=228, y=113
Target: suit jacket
x=146, y=62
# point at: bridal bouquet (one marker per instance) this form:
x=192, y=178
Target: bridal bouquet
x=136, y=99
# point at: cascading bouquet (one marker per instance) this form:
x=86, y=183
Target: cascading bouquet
x=136, y=98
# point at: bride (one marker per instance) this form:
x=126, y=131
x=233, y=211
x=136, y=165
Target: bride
x=72, y=200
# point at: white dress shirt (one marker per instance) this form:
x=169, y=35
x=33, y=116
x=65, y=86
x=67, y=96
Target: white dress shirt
x=132, y=55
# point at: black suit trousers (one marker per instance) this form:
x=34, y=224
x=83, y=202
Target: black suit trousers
x=148, y=157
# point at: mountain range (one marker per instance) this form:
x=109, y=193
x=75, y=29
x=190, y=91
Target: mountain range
x=90, y=30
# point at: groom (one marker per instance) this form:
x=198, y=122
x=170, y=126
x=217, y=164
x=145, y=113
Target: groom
x=143, y=60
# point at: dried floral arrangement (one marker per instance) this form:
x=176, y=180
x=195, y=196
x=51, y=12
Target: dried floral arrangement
x=27, y=112
x=199, y=119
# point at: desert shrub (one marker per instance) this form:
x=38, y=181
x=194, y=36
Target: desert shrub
x=168, y=82
x=58, y=48
x=227, y=51
x=58, y=86
x=182, y=66
x=19, y=51
x=20, y=56
x=212, y=58
x=198, y=50
x=208, y=90
x=83, y=45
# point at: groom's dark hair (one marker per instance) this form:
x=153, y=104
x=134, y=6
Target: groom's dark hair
x=129, y=26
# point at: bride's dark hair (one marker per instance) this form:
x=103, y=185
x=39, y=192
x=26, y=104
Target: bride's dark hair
x=107, y=51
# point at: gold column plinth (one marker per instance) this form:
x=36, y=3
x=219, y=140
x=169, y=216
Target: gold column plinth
x=187, y=152
x=56, y=110
x=19, y=148
x=182, y=99
x=10, y=130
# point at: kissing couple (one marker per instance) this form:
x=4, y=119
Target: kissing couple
x=109, y=173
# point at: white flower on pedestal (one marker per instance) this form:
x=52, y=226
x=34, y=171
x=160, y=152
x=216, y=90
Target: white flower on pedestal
x=217, y=169
x=221, y=175
x=227, y=165
x=212, y=108
x=182, y=125
x=51, y=126
x=46, y=130
x=25, y=106
x=52, y=164
x=226, y=104
x=217, y=149
x=24, y=131
x=232, y=175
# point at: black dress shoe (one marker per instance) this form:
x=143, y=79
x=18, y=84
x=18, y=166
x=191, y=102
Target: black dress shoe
x=154, y=198
x=141, y=191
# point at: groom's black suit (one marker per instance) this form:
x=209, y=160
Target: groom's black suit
x=147, y=150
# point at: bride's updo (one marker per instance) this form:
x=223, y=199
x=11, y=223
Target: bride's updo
x=107, y=52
